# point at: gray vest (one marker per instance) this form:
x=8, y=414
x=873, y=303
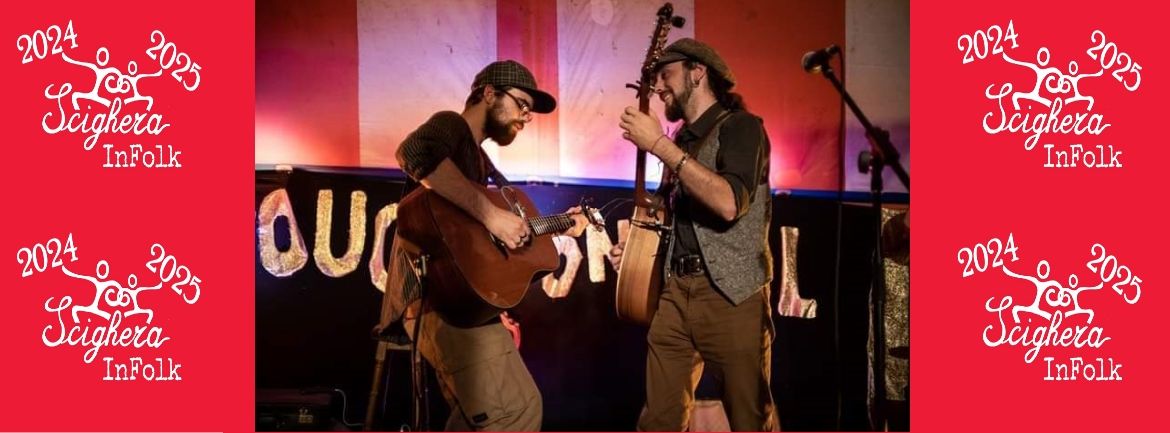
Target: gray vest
x=737, y=256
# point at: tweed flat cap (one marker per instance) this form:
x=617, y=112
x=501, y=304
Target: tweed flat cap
x=512, y=74
x=687, y=48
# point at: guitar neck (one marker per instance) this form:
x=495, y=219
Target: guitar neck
x=550, y=223
x=641, y=196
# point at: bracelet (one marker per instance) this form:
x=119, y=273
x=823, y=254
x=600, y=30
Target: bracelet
x=681, y=163
x=656, y=143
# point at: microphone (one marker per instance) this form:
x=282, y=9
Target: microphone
x=814, y=61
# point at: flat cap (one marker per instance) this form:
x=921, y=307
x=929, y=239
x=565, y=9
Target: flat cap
x=687, y=48
x=512, y=74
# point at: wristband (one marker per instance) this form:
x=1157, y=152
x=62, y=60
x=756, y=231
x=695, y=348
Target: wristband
x=656, y=142
x=681, y=163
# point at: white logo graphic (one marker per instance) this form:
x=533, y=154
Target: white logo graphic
x=1052, y=305
x=1054, y=103
x=122, y=83
x=105, y=289
x=113, y=102
x=111, y=317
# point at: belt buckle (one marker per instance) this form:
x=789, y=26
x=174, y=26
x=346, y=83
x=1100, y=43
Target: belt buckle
x=689, y=265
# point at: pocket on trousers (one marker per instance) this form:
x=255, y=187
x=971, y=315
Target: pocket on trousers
x=493, y=391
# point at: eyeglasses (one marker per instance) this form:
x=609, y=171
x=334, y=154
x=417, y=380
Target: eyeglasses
x=525, y=108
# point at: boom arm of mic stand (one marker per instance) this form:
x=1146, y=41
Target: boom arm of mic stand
x=879, y=138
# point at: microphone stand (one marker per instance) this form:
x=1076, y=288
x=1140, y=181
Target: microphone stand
x=881, y=154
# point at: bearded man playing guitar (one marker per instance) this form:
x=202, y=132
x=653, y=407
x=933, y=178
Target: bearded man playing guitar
x=714, y=302
x=482, y=375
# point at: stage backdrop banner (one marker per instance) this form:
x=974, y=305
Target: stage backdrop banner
x=341, y=83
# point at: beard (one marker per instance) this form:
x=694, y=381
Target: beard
x=498, y=129
x=674, y=110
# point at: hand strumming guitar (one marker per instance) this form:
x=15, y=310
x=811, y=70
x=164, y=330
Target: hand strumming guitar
x=506, y=226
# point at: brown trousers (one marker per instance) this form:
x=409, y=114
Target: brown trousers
x=483, y=378
x=696, y=327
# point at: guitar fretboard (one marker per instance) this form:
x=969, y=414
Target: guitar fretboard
x=550, y=223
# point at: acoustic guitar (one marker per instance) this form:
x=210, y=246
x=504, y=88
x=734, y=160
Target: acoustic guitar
x=640, y=275
x=470, y=276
